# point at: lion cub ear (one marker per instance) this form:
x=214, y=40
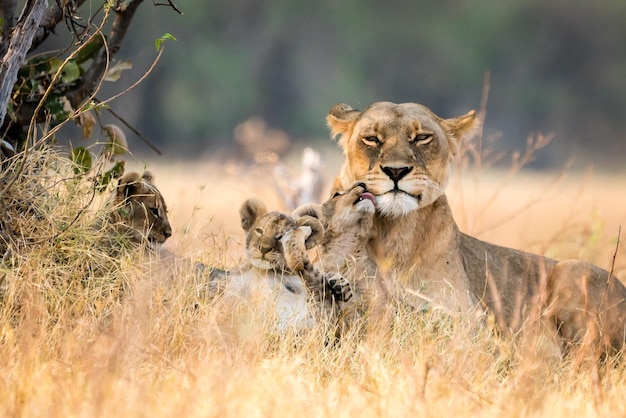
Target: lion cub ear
x=341, y=119
x=250, y=211
x=148, y=176
x=317, y=230
x=461, y=128
x=130, y=185
x=310, y=209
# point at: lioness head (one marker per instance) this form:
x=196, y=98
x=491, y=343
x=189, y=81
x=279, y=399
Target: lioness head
x=139, y=209
x=401, y=152
x=264, y=231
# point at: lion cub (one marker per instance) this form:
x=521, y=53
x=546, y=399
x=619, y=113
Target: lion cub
x=138, y=212
x=347, y=218
x=265, y=281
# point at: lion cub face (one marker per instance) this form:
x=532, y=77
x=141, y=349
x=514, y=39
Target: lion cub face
x=348, y=217
x=264, y=231
x=140, y=210
x=401, y=152
x=350, y=211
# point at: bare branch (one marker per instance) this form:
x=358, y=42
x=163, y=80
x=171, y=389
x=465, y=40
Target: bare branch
x=170, y=4
x=96, y=70
x=54, y=14
x=7, y=13
x=132, y=128
x=21, y=40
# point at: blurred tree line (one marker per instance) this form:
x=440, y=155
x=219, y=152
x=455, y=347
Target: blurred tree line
x=557, y=66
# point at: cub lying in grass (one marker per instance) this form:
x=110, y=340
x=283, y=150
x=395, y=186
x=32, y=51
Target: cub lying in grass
x=265, y=282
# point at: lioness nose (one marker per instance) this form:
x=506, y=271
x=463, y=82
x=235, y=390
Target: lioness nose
x=396, y=173
x=167, y=232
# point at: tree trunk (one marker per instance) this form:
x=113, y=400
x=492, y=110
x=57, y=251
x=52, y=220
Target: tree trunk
x=21, y=40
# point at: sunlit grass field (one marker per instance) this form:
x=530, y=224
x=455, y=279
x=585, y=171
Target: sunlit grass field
x=83, y=333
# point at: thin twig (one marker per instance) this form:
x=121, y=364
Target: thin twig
x=170, y=4
x=135, y=131
x=619, y=233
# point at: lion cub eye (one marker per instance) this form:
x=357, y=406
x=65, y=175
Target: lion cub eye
x=422, y=139
x=372, y=140
x=258, y=231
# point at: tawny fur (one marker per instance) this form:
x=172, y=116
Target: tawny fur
x=348, y=227
x=138, y=211
x=266, y=280
x=402, y=152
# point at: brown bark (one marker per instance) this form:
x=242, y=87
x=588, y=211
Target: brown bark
x=21, y=40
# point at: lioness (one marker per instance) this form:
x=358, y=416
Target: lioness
x=402, y=152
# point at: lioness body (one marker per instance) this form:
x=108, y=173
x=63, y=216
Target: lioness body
x=402, y=153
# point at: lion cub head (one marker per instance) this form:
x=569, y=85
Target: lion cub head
x=264, y=231
x=346, y=216
x=139, y=210
x=401, y=152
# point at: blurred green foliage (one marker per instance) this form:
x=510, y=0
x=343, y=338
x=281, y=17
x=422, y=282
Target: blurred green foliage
x=557, y=66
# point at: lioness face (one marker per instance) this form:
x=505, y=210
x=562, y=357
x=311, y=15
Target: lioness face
x=401, y=152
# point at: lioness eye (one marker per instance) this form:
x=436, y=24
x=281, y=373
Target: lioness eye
x=423, y=138
x=155, y=212
x=372, y=140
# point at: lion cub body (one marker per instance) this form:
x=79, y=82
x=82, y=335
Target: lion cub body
x=342, y=255
x=402, y=152
x=269, y=283
x=264, y=284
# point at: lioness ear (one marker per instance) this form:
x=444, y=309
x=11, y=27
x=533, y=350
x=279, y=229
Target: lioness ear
x=341, y=119
x=250, y=211
x=317, y=230
x=461, y=128
x=310, y=209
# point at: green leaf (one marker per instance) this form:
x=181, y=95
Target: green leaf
x=81, y=159
x=89, y=50
x=116, y=172
x=56, y=106
x=70, y=72
x=159, y=42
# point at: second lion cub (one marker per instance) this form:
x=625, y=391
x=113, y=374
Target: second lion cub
x=347, y=218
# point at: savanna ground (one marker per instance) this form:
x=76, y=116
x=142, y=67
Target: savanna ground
x=86, y=334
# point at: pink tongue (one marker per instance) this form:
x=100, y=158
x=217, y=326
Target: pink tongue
x=369, y=196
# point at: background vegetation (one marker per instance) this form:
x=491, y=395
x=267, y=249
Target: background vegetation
x=555, y=66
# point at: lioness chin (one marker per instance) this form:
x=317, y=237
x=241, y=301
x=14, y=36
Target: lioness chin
x=402, y=152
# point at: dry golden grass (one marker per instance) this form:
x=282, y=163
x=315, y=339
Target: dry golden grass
x=85, y=334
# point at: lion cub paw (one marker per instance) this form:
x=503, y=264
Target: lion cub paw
x=339, y=287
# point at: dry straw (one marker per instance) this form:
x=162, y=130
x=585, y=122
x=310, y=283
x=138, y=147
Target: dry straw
x=91, y=326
